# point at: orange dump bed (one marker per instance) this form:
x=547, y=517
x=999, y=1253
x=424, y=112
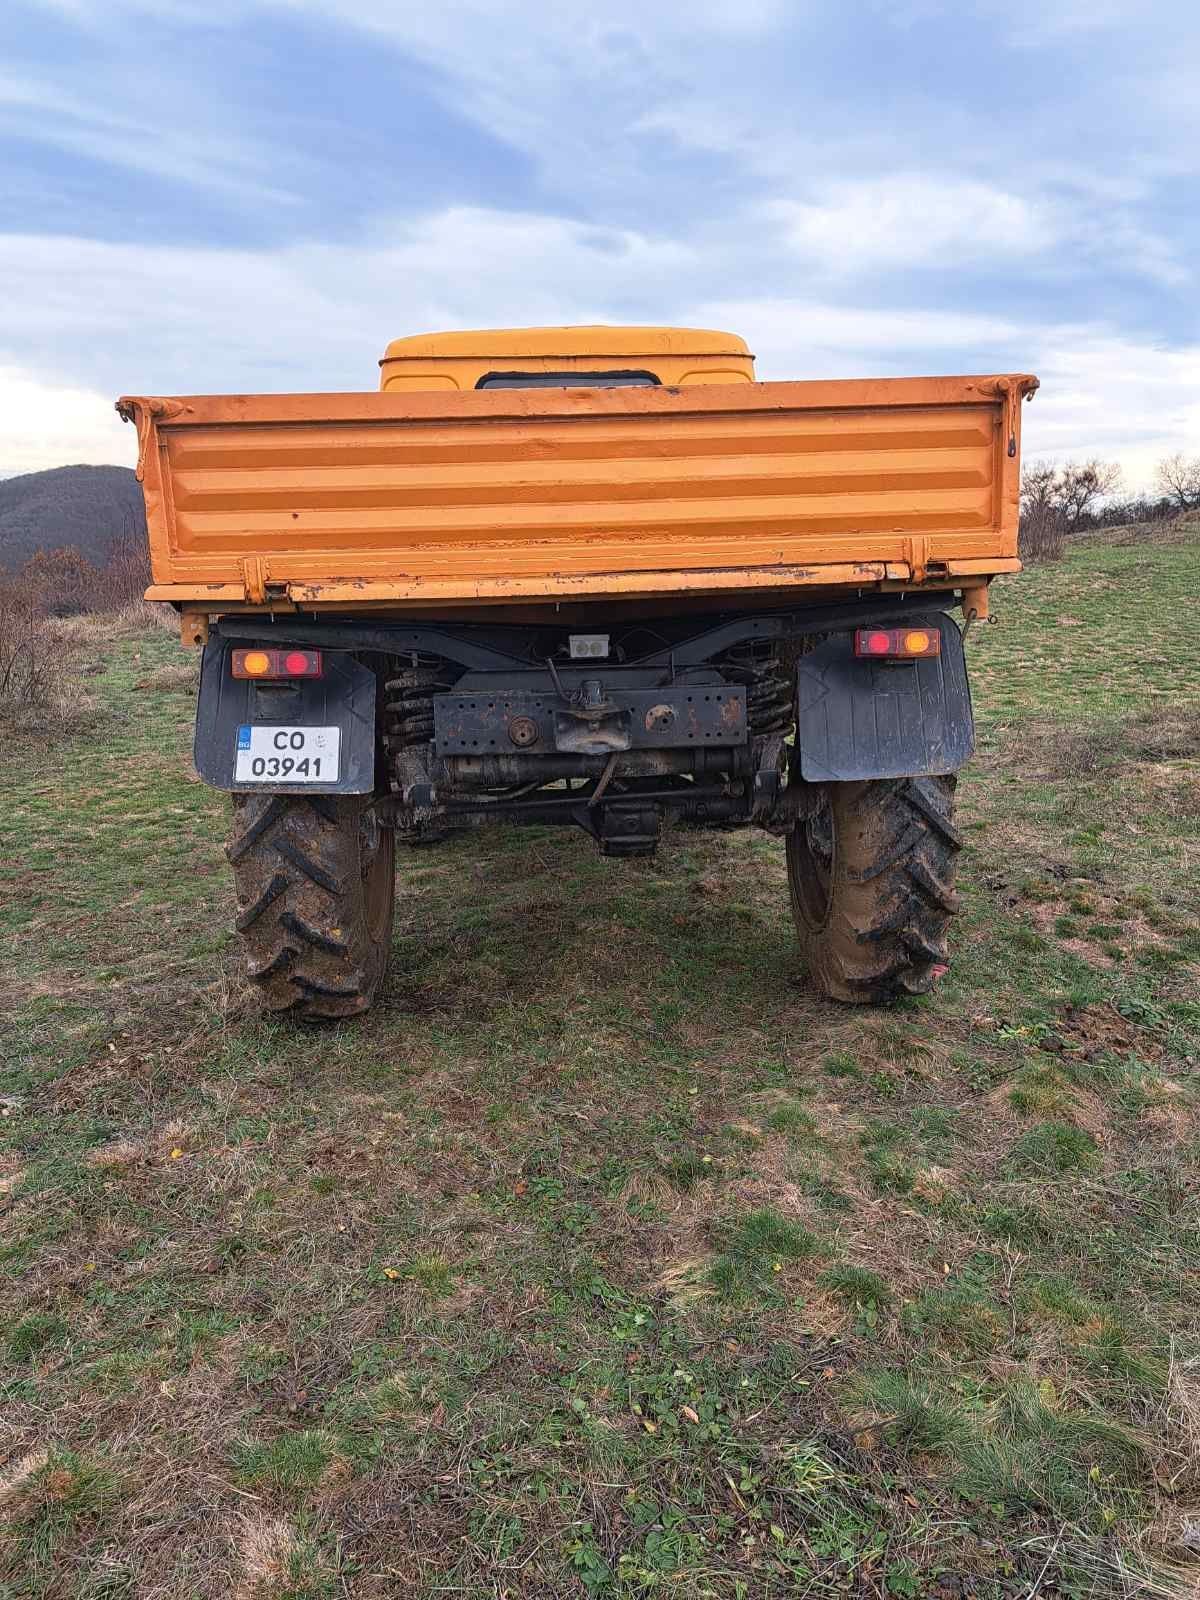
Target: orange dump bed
x=400, y=499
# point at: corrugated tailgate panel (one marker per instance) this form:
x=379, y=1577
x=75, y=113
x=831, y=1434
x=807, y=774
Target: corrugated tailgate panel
x=522, y=496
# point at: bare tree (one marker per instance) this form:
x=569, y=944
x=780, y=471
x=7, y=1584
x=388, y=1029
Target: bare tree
x=1178, y=477
x=1057, y=500
x=1082, y=484
x=60, y=582
x=1043, y=531
x=1038, y=482
x=125, y=575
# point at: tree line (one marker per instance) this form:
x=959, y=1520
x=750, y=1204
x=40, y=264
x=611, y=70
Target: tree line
x=64, y=582
x=1059, y=499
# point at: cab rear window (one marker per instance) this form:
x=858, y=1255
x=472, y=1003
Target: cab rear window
x=567, y=380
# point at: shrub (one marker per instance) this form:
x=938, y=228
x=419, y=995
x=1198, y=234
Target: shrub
x=35, y=660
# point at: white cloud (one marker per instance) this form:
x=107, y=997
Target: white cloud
x=313, y=315
x=1107, y=395
x=797, y=338
x=457, y=30
x=566, y=81
x=912, y=220
x=53, y=425
x=82, y=321
x=107, y=13
x=620, y=105
x=936, y=220
x=1033, y=22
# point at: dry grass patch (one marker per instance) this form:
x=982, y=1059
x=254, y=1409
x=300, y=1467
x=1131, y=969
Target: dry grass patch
x=1178, y=531
x=1162, y=734
x=129, y=621
x=265, y=1550
x=1171, y=1540
x=14, y=1478
x=164, y=679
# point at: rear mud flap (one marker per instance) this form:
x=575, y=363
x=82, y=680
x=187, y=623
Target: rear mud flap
x=342, y=698
x=858, y=718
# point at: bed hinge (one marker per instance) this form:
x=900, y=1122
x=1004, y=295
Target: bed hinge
x=916, y=550
x=254, y=579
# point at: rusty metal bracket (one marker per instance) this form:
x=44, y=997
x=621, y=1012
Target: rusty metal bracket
x=916, y=549
x=1012, y=391
x=254, y=579
x=144, y=414
x=975, y=603
x=193, y=627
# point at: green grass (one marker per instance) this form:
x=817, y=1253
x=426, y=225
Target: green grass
x=58, y=1499
x=859, y=1287
x=294, y=1461
x=604, y=1258
x=756, y=1250
x=34, y=1334
x=910, y=1414
x=1054, y=1147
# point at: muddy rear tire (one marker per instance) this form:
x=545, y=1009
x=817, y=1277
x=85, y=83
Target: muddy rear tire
x=871, y=874
x=316, y=879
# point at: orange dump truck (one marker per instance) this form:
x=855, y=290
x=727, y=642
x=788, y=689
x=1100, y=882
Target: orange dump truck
x=597, y=576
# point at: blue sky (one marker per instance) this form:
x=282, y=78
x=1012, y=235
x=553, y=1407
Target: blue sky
x=201, y=195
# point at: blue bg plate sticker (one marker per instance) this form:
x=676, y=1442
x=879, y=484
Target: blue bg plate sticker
x=282, y=754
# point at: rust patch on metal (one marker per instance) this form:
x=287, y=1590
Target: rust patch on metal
x=193, y=627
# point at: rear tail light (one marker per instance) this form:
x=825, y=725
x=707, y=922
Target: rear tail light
x=897, y=644
x=276, y=664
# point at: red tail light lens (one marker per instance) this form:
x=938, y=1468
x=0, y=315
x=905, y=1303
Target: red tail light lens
x=897, y=644
x=276, y=664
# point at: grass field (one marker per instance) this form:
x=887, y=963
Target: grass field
x=605, y=1259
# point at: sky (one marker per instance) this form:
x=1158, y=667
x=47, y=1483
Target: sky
x=204, y=196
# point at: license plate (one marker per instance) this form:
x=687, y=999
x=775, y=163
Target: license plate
x=286, y=755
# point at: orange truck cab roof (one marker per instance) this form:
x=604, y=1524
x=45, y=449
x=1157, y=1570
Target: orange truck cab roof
x=675, y=357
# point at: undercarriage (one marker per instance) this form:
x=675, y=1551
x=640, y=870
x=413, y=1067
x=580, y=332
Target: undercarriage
x=688, y=718
x=612, y=753
x=780, y=720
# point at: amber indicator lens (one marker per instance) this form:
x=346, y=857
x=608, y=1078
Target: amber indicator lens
x=897, y=644
x=276, y=664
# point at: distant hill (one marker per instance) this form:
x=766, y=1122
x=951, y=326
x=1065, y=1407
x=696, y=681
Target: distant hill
x=87, y=507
